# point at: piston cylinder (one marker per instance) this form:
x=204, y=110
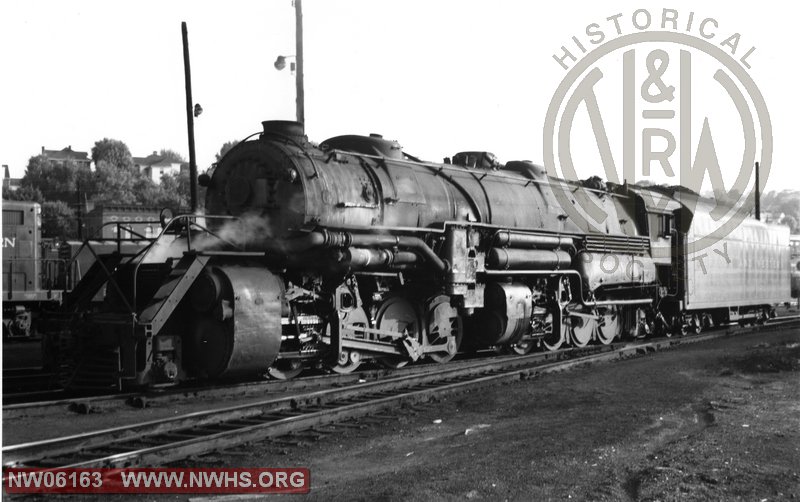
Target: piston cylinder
x=505, y=316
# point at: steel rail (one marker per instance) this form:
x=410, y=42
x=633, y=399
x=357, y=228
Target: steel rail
x=162, y=441
x=24, y=403
x=171, y=394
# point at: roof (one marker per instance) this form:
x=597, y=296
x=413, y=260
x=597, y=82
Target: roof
x=656, y=200
x=100, y=208
x=65, y=154
x=154, y=160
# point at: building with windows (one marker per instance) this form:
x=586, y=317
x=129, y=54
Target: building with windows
x=107, y=221
x=155, y=166
x=61, y=157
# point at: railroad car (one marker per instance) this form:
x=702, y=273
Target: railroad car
x=332, y=254
x=24, y=293
x=38, y=271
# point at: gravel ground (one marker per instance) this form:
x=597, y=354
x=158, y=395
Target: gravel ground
x=710, y=421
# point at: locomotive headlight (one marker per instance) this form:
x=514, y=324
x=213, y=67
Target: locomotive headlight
x=291, y=175
x=165, y=217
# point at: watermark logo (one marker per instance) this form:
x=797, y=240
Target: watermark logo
x=667, y=98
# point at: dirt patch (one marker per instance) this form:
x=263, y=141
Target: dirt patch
x=663, y=427
x=769, y=358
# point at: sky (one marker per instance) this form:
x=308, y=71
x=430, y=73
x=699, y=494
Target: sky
x=438, y=76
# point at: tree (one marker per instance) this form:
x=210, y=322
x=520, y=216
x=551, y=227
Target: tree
x=36, y=172
x=786, y=202
x=58, y=220
x=55, y=180
x=183, y=188
x=112, y=151
x=226, y=147
x=173, y=195
x=791, y=222
x=171, y=155
x=115, y=185
x=147, y=192
x=24, y=193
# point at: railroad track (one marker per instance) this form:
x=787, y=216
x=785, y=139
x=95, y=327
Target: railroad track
x=168, y=440
x=42, y=401
x=59, y=400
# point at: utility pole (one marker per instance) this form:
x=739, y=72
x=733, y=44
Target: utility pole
x=298, y=13
x=80, y=210
x=189, y=120
x=758, y=193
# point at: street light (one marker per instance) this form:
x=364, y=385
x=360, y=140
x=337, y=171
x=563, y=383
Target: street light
x=280, y=63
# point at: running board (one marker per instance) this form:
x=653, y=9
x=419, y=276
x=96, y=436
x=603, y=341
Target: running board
x=170, y=294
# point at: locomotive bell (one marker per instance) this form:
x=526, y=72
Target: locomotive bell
x=374, y=144
x=478, y=160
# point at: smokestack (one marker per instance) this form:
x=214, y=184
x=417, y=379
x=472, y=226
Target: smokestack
x=6, y=174
x=758, y=193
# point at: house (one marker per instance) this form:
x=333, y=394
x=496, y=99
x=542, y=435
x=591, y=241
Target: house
x=61, y=157
x=155, y=166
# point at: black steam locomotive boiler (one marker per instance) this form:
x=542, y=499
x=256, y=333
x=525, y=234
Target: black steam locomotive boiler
x=352, y=250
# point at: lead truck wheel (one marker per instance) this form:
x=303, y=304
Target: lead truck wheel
x=349, y=360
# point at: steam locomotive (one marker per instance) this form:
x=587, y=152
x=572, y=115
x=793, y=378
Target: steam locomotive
x=352, y=250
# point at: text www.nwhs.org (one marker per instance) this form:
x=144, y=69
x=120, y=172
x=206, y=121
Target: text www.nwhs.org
x=158, y=480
